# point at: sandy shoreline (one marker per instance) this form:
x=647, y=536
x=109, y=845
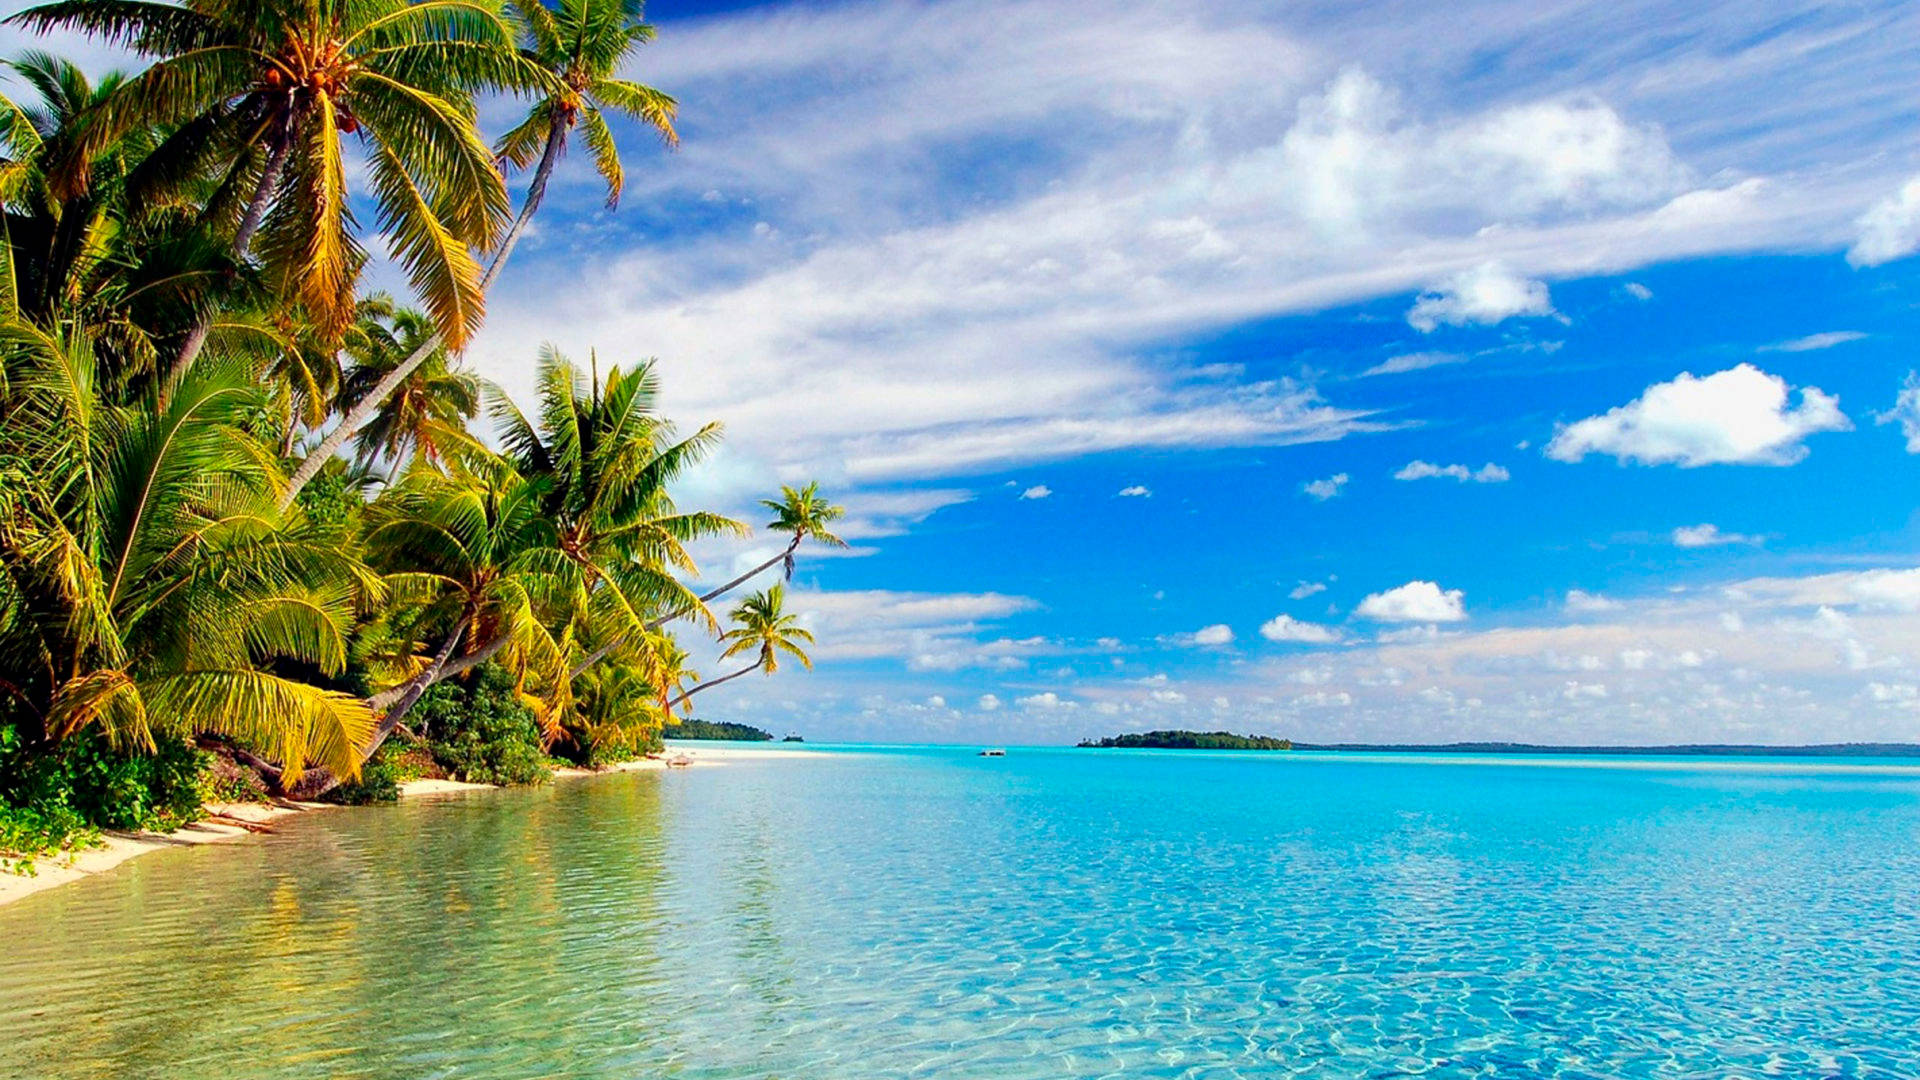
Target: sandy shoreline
x=57, y=870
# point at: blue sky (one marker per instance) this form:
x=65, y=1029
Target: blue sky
x=1624, y=290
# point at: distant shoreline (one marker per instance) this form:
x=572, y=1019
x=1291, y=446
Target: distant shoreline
x=1677, y=750
x=1227, y=740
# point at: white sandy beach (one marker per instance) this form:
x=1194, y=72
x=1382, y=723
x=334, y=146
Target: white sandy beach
x=55, y=870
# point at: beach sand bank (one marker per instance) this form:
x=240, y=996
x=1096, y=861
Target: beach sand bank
x=220, y=824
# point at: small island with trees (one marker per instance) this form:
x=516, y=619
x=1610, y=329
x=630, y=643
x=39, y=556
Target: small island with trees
x=717, y=730
x=1188, y=740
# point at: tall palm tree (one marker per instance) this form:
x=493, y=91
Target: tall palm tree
x=608, y=460
x=428, y=416
x=147, y=584
x=579, y=45
x=762, y=627
x=268, y=90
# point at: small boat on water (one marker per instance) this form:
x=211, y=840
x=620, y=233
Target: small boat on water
x=993, y=753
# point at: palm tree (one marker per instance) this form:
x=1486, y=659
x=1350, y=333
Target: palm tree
x=147, y=583
x=579, y=45
x=428, y=416
x=608, y=461
x=477, y=556
x=762, y=627
x=267, y=90
x=805, y=513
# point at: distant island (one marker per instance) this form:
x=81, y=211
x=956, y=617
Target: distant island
x=1189, y=740
x=1226, y=740
x=1679, y=750
x=709, y=729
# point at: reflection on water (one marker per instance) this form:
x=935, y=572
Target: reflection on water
x=1051, y=914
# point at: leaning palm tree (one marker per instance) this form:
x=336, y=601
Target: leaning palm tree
x=266, y=92
x=150, y=586
x=578, y=45
x=479, y=560
x=428, y=416
x=762, y=627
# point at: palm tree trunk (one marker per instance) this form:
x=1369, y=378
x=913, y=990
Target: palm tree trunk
x=710, y=683
x=399, y=699
x=357, y=417
x=654, y=624
x=242, y=241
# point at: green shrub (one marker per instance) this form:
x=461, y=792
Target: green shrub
x=379, y=780
x=59, y=798
x=480, y=732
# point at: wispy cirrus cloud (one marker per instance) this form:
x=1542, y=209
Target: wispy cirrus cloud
x=1157, y=173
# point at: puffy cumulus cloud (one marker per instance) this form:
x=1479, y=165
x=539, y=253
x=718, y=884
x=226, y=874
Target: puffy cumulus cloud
x=1217, y=634
x=1416, y=601
x=1136, y=491
x=1326, y=488
x=1906, y=412
x=1423, y=470
x=1289, y=629
x=988, y=703
x=1890, y=229
x=1581, y=602
x=1307, y=588
x=1037, y=491
x=1739, y=416
x=1898, y=589
x=1207, y=637
x=1709, y=535
x=1046, y=701
x=1487, y=294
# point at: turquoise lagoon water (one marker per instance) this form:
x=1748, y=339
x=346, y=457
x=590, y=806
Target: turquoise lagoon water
x=929, y=913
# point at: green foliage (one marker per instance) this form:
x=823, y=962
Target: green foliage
x=223, y=780
x=1190, y=740
x=710, y=729
x=60, y=799
x=481, y=731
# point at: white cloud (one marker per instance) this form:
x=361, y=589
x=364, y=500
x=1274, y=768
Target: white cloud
x=1906, y=412
x=1327, y=488
x=1637, y=291
x=1581, y=602
x=1217, y=634
x=1422, y=470
x=1739, y=416
x=1287, y=628
x=1709, y=535
x=1487, y=294
x=1897, y=589
x=1137, y=491
x=1045, y=701
x=1416, y=601
x=1207, y=637
x=1038, y=491
x=1890, y=229
x=1420, y=361
x=1815, y=342
x=1220, y=169
x=988, y=703
x=1306, y=589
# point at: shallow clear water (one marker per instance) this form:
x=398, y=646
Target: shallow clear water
x=929, y=913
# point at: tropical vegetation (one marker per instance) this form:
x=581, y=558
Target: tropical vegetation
x=262, y=530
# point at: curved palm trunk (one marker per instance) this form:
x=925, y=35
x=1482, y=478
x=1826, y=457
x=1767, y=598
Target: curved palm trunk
x=242, y=241
x=399, y=699
x=357, y=417
x=654, y=624
x=710, y=683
